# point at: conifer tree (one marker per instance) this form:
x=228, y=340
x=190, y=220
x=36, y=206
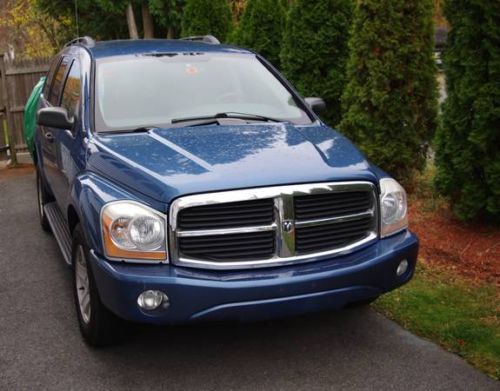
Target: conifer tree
x=468, y=141
x=314, y=51
x=261, y=28
x=390, y=100
x=201, y=17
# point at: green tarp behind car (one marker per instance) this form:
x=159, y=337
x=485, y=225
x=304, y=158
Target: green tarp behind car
x=29, y=124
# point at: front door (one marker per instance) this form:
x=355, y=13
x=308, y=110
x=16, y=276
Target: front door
x=49, y=134
x=70, y=155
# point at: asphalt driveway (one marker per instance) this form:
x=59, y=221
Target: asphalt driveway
x=40, y=346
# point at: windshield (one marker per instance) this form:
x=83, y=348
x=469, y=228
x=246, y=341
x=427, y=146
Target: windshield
x=152, y=90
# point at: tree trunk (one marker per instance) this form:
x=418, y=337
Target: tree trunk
x=132, y=26
x=147, y=22
x=170, y=33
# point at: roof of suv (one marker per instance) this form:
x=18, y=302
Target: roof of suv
x=141, y=46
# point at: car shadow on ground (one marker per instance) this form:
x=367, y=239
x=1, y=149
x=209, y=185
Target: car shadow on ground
x=233, y=333
x=343, y=332
x=287, y=351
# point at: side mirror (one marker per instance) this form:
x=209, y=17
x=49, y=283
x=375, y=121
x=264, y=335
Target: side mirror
x=317, y=105
x=54, y=117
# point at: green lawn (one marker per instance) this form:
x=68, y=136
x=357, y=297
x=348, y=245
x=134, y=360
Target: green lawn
x=461, y=315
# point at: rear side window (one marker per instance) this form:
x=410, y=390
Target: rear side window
x=72, y=87
x=57, y=84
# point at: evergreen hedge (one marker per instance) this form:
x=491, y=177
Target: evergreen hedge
x=315, y=51
x=468, y=141
x=201, y=17
x=261, y=28
x=390, y=100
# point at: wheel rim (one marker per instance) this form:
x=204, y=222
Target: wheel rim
x=39, y=196
x=82, y=285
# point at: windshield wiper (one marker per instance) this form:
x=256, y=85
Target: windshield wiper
x=197, y=121
x=202, y=120
x=140, y=129
x=230, y=115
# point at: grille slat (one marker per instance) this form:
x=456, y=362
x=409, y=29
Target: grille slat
x=304, y=236
x=228, y=211
x=199, y=244
x=259, y=245
x=331, y=204
x=339, y=234
x=248, y=250
x=325, y=237
x=227, y=219
x=331, y=236
x=229, y=215
x=303, y=249
x=314, y=231
x=324, y=205
x=328, y=212
x=207, y=216
x=331, y=198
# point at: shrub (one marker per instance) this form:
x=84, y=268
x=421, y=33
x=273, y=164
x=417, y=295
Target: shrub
x=315, y=51
x=468, y=141
x=390, y=100
x=261, y=28
x=202, y=17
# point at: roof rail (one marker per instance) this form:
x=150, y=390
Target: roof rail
x=202, y=38
x=85, y=41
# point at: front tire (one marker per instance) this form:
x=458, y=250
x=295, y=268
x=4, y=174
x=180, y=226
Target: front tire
x=98, y=325
x=43, y=198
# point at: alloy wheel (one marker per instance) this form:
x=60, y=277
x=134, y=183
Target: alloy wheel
x=82, y=284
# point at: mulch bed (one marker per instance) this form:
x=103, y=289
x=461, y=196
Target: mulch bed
x=472, y=250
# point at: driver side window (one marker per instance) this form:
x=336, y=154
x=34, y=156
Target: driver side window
x=57, y=84
x=71, y=93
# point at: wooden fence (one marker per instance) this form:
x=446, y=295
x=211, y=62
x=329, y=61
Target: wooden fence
x=17, y=80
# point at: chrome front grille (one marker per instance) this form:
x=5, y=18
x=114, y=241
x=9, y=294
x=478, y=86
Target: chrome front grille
x=272, y=226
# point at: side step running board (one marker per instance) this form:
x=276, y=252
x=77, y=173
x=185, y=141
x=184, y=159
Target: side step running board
x=59, y=229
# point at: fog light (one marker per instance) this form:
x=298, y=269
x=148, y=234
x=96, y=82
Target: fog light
x=402, y=267
x=151, y=300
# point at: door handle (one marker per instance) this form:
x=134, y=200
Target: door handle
x=49, y=137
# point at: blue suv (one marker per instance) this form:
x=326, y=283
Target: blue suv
x=185, y=180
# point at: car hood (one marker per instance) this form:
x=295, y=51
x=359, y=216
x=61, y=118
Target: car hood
x=166, y=163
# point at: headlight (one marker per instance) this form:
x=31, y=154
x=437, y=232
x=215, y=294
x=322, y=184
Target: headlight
x=393, y=207
x=133, y=231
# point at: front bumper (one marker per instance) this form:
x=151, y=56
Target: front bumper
x=255, y=294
